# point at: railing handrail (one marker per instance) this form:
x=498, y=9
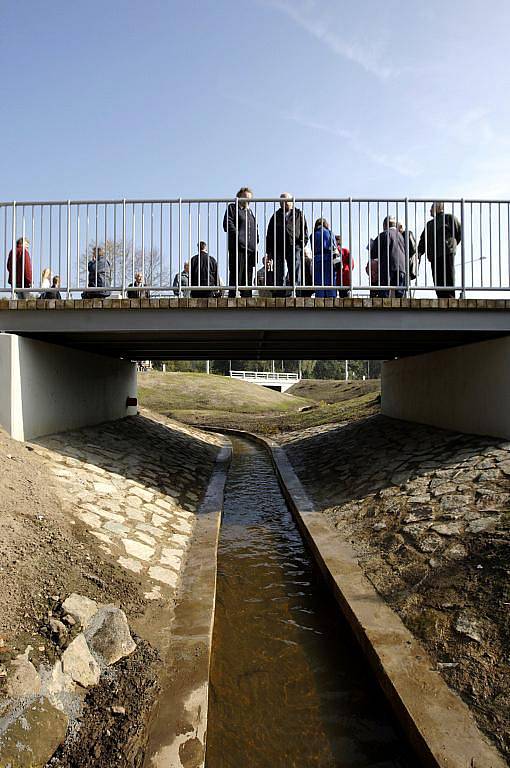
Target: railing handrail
x=265, y=375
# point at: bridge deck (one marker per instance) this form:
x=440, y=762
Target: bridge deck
x=258, y=328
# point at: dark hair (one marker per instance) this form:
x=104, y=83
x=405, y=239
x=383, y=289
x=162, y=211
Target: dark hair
x=202, y=245
x=321, y=223
x=244, y=191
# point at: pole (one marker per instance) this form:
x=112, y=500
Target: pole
x=347, y=370
x=207, y=366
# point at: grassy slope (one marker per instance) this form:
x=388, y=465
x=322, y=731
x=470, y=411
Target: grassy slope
x=221, y=402
x=171, y=393
x=332, y=391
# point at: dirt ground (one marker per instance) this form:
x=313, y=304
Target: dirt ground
x=427, y=513
x=47, y=553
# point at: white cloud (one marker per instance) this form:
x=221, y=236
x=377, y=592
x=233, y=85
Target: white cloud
x=399, y=162
x=307, y=15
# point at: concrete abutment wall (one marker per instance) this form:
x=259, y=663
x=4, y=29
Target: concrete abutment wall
x=47, y=388
x=465, y=389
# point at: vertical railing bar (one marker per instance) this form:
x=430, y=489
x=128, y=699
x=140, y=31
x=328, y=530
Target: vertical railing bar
x=13, y=251
x=123, y=247
x=161, y=280
x=293, y=259
x=490, y=245
x=237, y=246
x=133, y=247
x=23, y=248
x=472, y=246
x=190, y=236
x=499, y=243
x=180, y=250
x=462, y=248
x=139, y=295
x=78, y=246
x=406, y=216
x=481, y=248
x=50, y=238
x=68, y=255
x=351, y=249
x=115, y=244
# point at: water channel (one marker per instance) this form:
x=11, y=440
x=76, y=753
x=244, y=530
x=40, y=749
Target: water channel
x=288, y=687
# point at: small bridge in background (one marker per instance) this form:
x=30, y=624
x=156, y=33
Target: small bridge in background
x=281, y=382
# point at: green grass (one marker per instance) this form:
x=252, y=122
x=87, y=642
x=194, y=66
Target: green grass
x=173, y=393
x=333, y=391
x=219, y=401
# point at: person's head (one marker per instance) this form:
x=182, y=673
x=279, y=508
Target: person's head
x=46, y=274
x=321, y=223
x=436, y=208
x=389, y=222
x=22, y=242
x=338, y=239
x=97, y=253
x=400, y=227
x=202, y=246
x=286, y=201
x=138, y=278
x=56, y=281
x=247, y=194
x=186, y=266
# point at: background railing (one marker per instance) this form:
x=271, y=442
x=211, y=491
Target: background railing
x=263, y=376
x=158, y=237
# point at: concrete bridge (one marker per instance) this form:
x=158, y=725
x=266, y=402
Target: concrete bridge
x=67, y=363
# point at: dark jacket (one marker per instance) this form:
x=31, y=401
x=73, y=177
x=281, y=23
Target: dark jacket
x=281, y=230
x=389, y=247
x=181, y=278
x=99, y=273
x=203, y=270
x=23, y=268
x=443, y=236
x=242, y=230
x=138, y=294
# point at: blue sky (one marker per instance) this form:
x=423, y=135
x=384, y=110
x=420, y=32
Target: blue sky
x=117, y=98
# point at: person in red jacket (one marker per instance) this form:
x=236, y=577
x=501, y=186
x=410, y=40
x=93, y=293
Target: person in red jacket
x=23, y=267
x=344, y=266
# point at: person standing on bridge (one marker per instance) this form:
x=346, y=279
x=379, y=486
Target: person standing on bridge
x=135, y=289
x=243, y=237
x=203, y=272
x=324, y=251
x=388, y=250
x=287, y=235
x=23, y=266
x=439, y=240
x=99, y=270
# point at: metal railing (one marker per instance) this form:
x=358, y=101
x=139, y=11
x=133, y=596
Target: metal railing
x=264, y=376
x=96, y=248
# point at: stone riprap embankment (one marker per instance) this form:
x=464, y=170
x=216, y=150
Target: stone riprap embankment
x=136, y=485
x=428, y=513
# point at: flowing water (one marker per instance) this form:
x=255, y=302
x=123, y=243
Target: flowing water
x=288, y=687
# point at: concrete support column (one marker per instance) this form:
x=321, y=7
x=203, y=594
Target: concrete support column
x=464, y=389
x=47, y=388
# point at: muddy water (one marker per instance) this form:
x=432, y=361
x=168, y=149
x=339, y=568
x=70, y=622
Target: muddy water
x=288, y=688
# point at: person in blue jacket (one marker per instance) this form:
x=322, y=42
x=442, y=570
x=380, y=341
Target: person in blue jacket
x=324, y=249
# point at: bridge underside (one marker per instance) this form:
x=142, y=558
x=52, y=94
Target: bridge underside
x=250, y=333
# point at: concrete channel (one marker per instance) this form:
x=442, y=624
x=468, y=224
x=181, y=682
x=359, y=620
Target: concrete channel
x=388, y=684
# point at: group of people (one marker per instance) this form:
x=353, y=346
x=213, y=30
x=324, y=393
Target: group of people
x=293, y=259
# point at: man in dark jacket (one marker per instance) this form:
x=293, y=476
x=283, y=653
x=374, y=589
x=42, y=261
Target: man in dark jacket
x=243, y=238
x=439, y=240
x=99, y=271
x=287, y=235
x=389, y=251
x=203, y=272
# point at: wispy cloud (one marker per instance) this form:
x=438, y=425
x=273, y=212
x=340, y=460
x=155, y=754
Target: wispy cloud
x=400, y=162
x=309, y=16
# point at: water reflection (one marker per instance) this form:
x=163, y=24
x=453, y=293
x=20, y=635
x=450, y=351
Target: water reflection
x=288, y=688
